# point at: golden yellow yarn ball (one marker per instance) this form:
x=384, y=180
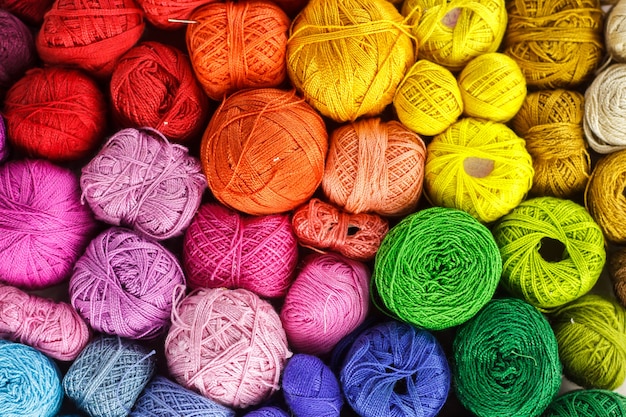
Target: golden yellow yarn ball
x=492, y=87
x=347, y=57
x=479, y=166
x=452, y=33
x=428, y=100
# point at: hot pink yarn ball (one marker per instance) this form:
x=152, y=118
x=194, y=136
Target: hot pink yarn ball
x=223, y=248
x=44, y=228
x=124, y=284
x=142, y=181
x=228, y=345
x=328, y=299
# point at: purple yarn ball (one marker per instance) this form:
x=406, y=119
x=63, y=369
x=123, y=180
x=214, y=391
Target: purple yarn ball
x=17, y=50
x=269, y=411
x=4, y=151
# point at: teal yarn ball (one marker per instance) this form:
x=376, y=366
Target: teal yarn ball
x=553, y=251
x=30, y=382
x=436, y=268
x=506, y=361
x=588, y=403
x=108, y=376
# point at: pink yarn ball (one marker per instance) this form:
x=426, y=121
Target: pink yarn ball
x=328, y=299
x=223, y=248
x=124, y=284
x=142, y=181
x=228, y=345
x=4, y=151
x=44, y=228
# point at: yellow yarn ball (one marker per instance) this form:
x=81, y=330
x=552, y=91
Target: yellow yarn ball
x=428, y=100
x=478, y=166
x=347, y=57
x=452, y=33
x=493, y=87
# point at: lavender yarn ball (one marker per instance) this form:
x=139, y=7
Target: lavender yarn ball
x=268, y=411
x=124, y=284
x=17, y=50
x=4, y=150
x=108, y=376
x=164, y=398
x=310, y=388
x=142, y=181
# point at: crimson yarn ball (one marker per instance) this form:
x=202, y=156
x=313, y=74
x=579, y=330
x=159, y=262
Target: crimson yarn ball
x=30, y=11
x=17, y=50
x=159, y=12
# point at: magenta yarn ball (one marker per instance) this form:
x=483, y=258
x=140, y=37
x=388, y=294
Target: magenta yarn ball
x=4, y=151
x=223, y=248
x=44, y=228
x=17, y=50
x=124, y=284
x=328, y=299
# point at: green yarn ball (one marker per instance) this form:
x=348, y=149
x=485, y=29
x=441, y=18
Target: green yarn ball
x=436, y=268
x=552, y=251
x=591, y=333
x=506, y=361
x=588, y=403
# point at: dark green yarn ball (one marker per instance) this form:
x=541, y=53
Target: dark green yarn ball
x=587, y=403
x=506, y=361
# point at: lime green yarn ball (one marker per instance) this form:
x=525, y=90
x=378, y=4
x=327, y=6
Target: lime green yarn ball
x=436, y=268
x=591, y=333
x=552, y=251
x=588, y=403
x=506, y=361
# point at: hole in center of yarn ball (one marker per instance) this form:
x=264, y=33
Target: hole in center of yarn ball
x=451, y=17
x=353, y=230
x=478, y=167
x=552, y=250
x=400, y=387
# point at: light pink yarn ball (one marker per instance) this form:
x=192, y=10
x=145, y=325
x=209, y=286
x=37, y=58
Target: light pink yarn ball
x=223, y=248
x=228, y=345
x=328, y=299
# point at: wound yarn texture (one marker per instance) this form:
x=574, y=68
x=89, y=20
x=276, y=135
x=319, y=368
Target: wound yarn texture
x=17, y=49
x=159, y=12
x=588, y=403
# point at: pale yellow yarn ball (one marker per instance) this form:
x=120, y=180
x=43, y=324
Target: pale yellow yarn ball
x=615, y=31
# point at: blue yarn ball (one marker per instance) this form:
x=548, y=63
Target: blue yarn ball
x=30, y=382
x=164, y=398
x=108, y=376
x=269, y=411
x=310, y=388
x=395, y=369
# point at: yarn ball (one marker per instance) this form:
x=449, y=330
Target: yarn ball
x=556, y=43
x=511, y=369
x=348, y=56
x=30, y=11
x=587, y=403
x=4, y=149
x=310, y=388
x=238, y=45
x=428, y=99
x=493, y=87
x=17, y=50
x=89, y=35
x=124, y=284
x=108, y=376
x=55, y=113
x=140, y=180
x=328, y=299
x=228, y=345
x=591, y=333
x=223, y=248
x=53, y=328
x=395, y=369
x=30, y=381
x=436, y=268
x=374, y=166
x=552, y=251
x=452, y=33
x=44, y=228
x=164, y=398
x=617, y=273
x=264, y=151
x=321, y=226
x=615, y=32
x=153, y=85
x=480, y=167
x=267, y=411
x=550, y=122
x=169, y=14
x=603, y=120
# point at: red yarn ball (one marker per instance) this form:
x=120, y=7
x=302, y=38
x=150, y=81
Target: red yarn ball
x=31, y=11
x=55, y=113
x=153, y=85
x=159, y=12
x=91, y=35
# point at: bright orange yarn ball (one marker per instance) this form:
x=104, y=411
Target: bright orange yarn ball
x=238, y=45
x=263, y=151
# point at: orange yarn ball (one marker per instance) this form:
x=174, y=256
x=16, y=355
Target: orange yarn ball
x=159, y=12
x=238, y=45
x=375, y=166
x=263, y=151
